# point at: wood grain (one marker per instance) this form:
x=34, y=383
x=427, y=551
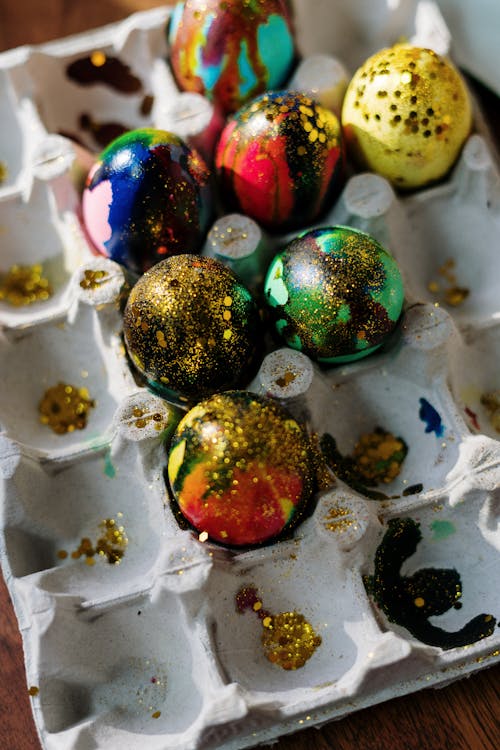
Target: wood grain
x=462, y=716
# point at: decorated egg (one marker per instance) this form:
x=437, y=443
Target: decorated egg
x=280, y=160
x=335, y=294
x=192, y=328
x=240, y=468
x=231, y=51
x=406, y=115
x=147, y=198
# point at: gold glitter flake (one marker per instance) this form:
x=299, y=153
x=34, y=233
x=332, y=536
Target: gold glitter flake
x=94, y=279
x=156, y=715
x=286, y=379
x=338, y=518
x=451, y=293
x=98, y=59
x=4, y=172
x=378, y=457
x=111, y=544
x=289, y=640
x=24, y=285
x=142, y=418
x=33, y=691
x=64, y=408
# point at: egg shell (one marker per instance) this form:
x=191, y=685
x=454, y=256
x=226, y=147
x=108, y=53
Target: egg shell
x=148, y=197
x=240, y=468
x=335, y=294
x=231, y=51
x=280, y=160
x=192, y=328
x=406, y=115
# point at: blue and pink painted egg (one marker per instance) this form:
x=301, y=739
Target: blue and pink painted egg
x=147, y=198
x=230, y=50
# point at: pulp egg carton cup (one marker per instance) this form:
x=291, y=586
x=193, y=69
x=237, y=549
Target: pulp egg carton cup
x=152, y=651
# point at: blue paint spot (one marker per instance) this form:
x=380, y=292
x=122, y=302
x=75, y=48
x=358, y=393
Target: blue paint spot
x=209, y=74
x=430, y=416
x=175, y=20
x=276, y=50
x=248, y=79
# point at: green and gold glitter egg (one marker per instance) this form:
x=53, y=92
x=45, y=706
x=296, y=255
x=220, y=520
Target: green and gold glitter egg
x=240, y=468
x=192, y=328
x=406, y=115
x=334, y=293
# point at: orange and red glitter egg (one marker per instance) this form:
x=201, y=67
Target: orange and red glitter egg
x=240, y=468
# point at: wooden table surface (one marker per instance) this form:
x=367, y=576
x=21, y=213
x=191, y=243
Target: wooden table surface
x=462, y=716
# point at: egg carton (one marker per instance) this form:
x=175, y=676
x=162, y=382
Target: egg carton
x=165, y=648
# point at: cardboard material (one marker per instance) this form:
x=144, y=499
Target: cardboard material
x=153, y=652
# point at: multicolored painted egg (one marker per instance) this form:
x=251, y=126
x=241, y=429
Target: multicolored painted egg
x=192, y=328
x=148, y=197
x=280, y=160
x=240, y=468
x=230, y=50
x=335, y=294
x=406, y=115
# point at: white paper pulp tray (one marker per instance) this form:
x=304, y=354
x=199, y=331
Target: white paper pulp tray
x=153, y=652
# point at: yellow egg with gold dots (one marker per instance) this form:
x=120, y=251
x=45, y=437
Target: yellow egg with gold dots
x=406, y=115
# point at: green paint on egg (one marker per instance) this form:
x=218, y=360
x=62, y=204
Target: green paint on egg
x=335, y=294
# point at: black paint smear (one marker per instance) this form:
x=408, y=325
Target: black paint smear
x=409, y=601
x=102, y=132
x=147, y=105
x=113, y=73
x=414, y=489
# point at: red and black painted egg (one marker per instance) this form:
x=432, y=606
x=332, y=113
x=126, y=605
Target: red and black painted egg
x=280, y=160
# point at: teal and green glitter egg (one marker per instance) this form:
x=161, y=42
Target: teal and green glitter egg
x=192, y=328
x=240, y=468
x=335, y=294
